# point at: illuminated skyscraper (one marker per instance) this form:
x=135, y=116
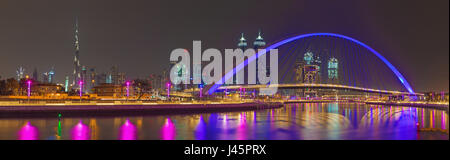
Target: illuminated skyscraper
x=76, y=61
x=308, y=57
x=51, y=75
x=66, y=84
x=259, y=44
x=242, y=42
x=333, y=70
x=20, y=73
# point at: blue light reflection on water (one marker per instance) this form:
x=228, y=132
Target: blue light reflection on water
x=294, y=121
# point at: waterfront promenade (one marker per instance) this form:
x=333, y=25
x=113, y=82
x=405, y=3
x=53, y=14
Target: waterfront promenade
x=102, y=108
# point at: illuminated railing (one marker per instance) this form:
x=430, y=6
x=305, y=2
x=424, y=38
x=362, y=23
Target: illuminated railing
x=332, y=86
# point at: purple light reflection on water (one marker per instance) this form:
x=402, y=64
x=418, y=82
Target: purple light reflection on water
x=80, y=132
x=443, y=126
x=200, y=130
x=168, y=131
x=28, y=132
x=128, y=131
x=242, y=127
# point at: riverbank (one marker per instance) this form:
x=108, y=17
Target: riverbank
x=421, y=105
x=105, y=109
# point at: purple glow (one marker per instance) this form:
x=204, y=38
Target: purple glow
x=81, y=88
x=443, y=126
x=28, y=132
x=241, y=130
x=200, y=130
x=128, y=89
x=168, y=89
x=128, y=131
x=201, y=90
x=168, y=130
x=29, y=88
x=80, y=132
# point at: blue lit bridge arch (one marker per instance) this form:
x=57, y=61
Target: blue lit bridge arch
x=397, y=73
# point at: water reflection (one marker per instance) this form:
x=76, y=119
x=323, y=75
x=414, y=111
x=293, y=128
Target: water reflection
x=28, y=132
x=128, y=131
x=294, y=121
x=80, y=131
x=168, y=131
x=200, y=130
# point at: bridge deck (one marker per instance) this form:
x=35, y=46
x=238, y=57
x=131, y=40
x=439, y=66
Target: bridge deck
x=320, y=86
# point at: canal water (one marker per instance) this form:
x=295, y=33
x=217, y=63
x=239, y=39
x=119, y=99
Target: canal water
x=302, y=121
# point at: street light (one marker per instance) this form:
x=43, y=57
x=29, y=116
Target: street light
x=200, y=86
x=81, y=89
x=128, y=89
x=168, y=90
x=29, y=90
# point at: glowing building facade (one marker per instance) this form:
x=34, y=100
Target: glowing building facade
x=333, y=71
x=308, y=58
x=20, y=73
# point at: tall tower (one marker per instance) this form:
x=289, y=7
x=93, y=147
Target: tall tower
x=242, y=45
x=242, y=42
x=66, y=84
x=259, y=44
x=51, y=75
x=20, y=73
x=76, y=61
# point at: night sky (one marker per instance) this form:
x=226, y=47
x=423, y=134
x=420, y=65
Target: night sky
x=138, y=36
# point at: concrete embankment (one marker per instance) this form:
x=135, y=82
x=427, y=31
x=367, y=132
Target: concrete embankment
x=421, y=105
x=129, y=109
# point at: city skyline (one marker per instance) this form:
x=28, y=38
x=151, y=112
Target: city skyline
x=140, y=44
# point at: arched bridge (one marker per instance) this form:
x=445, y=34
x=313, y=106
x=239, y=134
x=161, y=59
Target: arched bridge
x=394, y=70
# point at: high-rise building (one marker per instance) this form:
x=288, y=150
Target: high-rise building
x=20, y=73
x=76, y=61
x=242, y=43
x=66, y=84
x=92, y=78
x=115, y=77
x=109, y=79
x=308, y=57
x=259, y=43
x=51, y=76
x=101, y=78
x=333, y=71
x=35, y=74
x=45, y=77
x=299, y=66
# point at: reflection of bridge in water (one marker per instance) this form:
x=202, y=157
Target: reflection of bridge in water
x=318, y=86
x=370, y=116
